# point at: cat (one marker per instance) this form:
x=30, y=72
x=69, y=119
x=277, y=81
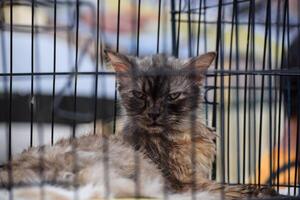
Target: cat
x=160, y=96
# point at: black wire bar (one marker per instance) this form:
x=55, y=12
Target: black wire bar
x=251, y=92
x=264, y=118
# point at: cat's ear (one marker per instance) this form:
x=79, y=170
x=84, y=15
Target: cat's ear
x=119, y=62
x=199, y=65
x=201, y=62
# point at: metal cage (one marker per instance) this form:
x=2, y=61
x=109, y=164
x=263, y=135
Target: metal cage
x=53, y=78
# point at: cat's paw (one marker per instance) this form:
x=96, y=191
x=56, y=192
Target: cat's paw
x=66, y=177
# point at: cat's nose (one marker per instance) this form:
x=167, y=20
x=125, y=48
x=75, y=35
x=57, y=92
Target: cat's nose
x=153, y=115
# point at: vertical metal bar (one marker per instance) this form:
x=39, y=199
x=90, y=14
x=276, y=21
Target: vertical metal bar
x=165, y=21
x=245, y=95
x=97, y=67
x=205, y=26
x=254, y=91
x=276, y=66
x=76, y=69
x=262, y=94
x=54, y=72
x=250, y=133
x=32, y=98
x=178, y=30
x=116, y=84
x=297, y=173
x=173, y=28
x=158, y=26
x=138, y=29
x=205, y=50
x=288, y=88
x=277, y=34
x=229, y=92
x=199, y=27
x=118, y=25
x=222, y=100
x=251, y=129
x=280, y=97
x=136, y=158
x=289, y=102
x=214, y=117
x=270, y=98
x=190, y=36
x=279, y=136
x=133, y=46
x=237, y=58
x=74, y=124
x=297, y=139
x=10, y=170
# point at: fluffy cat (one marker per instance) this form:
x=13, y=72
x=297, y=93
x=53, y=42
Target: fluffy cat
x=162, y=131
x=161, y=97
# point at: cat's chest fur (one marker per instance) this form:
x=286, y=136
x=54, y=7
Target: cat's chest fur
x=182, y=159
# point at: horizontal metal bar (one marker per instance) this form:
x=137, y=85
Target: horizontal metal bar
x=274, y=72
x=56, y=73
x=61, y=183
x=291, y=25
x=195, y=10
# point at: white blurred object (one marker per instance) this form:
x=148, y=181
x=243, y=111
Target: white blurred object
x=43, y=62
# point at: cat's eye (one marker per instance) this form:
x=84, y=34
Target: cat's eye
x=174, y=96
x=138, y=94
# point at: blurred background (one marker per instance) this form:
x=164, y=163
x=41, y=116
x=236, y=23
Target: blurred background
x=54, y=82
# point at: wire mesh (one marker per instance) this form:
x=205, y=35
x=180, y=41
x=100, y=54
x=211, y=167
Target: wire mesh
x=52, y=74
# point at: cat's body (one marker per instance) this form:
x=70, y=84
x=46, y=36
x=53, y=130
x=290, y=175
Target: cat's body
x=105, y=168
x=99, y=161
x=163, y=131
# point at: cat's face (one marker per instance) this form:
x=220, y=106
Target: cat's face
x=159, y=92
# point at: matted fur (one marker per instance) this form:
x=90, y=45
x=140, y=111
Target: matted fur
x=179, y=143
x=91, y=151
x=162, y=131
